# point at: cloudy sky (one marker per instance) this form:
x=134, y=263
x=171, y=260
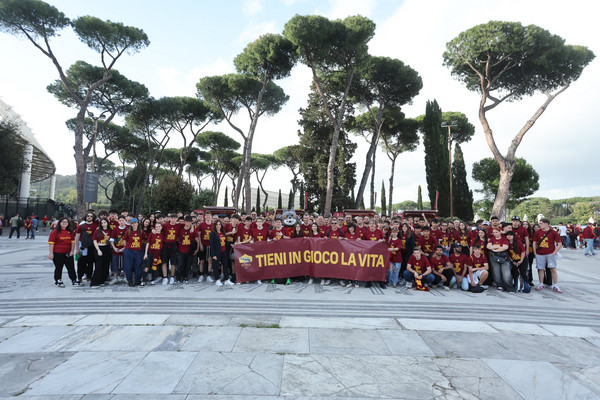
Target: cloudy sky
x=191, y=39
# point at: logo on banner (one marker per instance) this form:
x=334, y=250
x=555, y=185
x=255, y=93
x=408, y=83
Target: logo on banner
x=245, y=260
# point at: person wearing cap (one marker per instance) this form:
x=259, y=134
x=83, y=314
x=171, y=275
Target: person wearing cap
x=134, y=252
x=521, y=233
x=588, y=238
x=546, y=243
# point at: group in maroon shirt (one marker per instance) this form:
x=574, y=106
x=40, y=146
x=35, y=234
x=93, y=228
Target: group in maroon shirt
x=170, y=249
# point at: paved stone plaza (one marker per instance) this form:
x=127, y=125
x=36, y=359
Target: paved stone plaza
x=199, y=341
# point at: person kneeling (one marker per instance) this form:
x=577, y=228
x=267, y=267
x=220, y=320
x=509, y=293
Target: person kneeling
x=418, y=267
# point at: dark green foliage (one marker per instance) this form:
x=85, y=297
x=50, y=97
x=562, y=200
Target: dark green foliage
x=461, y=194
x=291, y=200
x=301, y=196
x=226, y=201
x=437, y=168
x=315, y=139
x=172, y=193
x=279, y=201
x=419, y=199
x=524, y=183
x=11, y=158
x=118, y=196
x=204, y=197
x=520, y=59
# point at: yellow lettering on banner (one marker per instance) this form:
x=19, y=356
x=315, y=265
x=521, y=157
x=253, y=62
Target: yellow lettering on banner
x=260, y=258
x=334, y=257
x=307, y=256
x=317, y=257
x=295, y=257
x=380, y=261
x=326, y=256
x=270, y=258
x=279, y=258
x=362, y=259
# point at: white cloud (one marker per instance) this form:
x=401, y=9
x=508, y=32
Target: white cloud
x=253, y=7
x=252, y=31
x=344, y=8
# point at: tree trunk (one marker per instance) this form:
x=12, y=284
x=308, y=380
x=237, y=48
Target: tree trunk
x=373, y=183
x=368, y=164
x=391, y=188
x=80, y=162
x=330, y=168
x=507, y=170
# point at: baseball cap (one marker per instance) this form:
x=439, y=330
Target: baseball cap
x=516, y=218
x=132, y=220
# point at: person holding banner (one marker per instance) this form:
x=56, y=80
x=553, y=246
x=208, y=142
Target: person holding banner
x=315, y=231
x=395, y=245
x=279, y=233
x=218, y=252
x=418, y=267
x=374, y=234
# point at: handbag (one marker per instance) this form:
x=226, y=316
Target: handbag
x=499, y=257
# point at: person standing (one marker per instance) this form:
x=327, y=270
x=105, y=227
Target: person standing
x=101, y=238
x=588, y=237
x=61, y=247
x=218, y=248
x=15, y=226
x=499, y=261
x=84, y=246
x=132, y=257
x=28, y=225
x=546, y=243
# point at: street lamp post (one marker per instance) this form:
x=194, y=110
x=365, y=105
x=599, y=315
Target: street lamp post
x=449, y=126
x=95, y=119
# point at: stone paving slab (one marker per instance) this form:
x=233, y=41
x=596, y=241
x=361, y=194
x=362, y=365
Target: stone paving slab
x=343, y=323
x=273, y=340
x=535, y=380
x=212, y=338
x=445, y=326
x=242, y=374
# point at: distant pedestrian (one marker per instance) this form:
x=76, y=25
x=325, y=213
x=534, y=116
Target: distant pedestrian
x=588, y=237
x=16, y=223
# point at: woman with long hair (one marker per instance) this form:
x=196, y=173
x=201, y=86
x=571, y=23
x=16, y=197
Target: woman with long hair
x=218, y=252
x=101, y=238
x=315, y=231
x=516, y=250
x=499, y=261
x=407, y=237
x=463, y=237
x=134, y=253
x=62, y=244
x=480, y=241
x=298, y=232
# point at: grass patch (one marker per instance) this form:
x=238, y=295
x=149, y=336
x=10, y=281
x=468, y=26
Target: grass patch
x=271, y=326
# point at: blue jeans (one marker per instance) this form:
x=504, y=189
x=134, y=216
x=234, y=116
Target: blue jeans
x=393, y=273
x=589, y=246
x=409, y=277
x=117, y=263
x=132, y=261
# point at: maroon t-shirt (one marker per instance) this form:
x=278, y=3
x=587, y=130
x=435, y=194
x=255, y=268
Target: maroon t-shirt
x=438, y=263
x=260, y=235
x=427, y=244
x=396, y=255
x=420, y=266
x=548, y=244
x=459, y=262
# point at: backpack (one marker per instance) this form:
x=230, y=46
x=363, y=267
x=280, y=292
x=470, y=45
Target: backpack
x=20, y=222
x=86, y=240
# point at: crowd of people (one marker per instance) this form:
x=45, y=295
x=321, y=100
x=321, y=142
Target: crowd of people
x=113, y=247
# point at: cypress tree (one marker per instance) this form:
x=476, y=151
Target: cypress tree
x=383, y=199
x=257, y=201
x=301, y=197
x=226, y=202
x=462, y=197
x=437, y=170
x=419, y=199
x=291, y=200
x=279, y=201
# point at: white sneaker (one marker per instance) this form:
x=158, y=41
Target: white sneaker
x=165, y=281
x=210, y=279
x=355, y=284
x=259, y=282
x=342, y=283
x=409, y=285
x=327, y=282
x=201, y=279
x=172, y=281
x=229, y=283
x=157, y=280
x=310, y=281
x=113, y=280
x=322, y=282
x=446, y=288
x=219, y=283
